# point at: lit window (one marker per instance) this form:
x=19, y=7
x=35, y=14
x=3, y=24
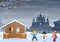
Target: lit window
x=11, y=28
x=40, y=23
x=17, y=29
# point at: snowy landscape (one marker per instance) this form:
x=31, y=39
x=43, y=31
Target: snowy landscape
x=29, y=37
x=39, y=15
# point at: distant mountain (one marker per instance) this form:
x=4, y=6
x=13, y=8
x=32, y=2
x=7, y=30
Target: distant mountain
x=32, y=3
x=28, y=2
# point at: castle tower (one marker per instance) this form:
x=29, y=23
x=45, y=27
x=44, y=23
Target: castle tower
x=47, y=20
x=43, y=18
x=40, y=16
x=33, y=21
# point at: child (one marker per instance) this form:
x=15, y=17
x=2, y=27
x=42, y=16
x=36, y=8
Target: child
x=34, y=35
x=44, y=35
x=54, y=36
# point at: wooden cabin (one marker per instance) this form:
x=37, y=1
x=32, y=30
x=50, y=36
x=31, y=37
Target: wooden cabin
x=14, y=29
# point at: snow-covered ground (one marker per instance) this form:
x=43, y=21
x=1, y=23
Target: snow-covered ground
x=29, y=36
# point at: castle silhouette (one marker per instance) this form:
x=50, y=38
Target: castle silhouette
x=40, y=24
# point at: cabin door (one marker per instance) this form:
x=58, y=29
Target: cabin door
x=11, y=33
x=17, y=32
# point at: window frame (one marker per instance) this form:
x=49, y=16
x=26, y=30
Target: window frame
x=17, y=29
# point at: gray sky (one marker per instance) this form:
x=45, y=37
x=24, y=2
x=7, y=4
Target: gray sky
x=31, y=8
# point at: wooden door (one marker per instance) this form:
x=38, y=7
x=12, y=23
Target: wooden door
x=12, y=35
x=17, y=35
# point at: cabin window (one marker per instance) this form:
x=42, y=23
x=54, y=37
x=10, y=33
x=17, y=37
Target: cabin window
x=17, y=29
x=11, y=29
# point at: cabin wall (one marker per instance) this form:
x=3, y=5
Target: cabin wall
x=14, y=30
x=14, y=26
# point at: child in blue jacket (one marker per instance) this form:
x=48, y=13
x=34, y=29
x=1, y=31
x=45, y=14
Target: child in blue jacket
x=34, y=35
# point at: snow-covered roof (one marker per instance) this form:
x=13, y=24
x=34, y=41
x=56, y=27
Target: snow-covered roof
x=57, y=21
x=12, y=22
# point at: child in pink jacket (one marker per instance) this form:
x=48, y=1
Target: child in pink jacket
x=54, y=36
